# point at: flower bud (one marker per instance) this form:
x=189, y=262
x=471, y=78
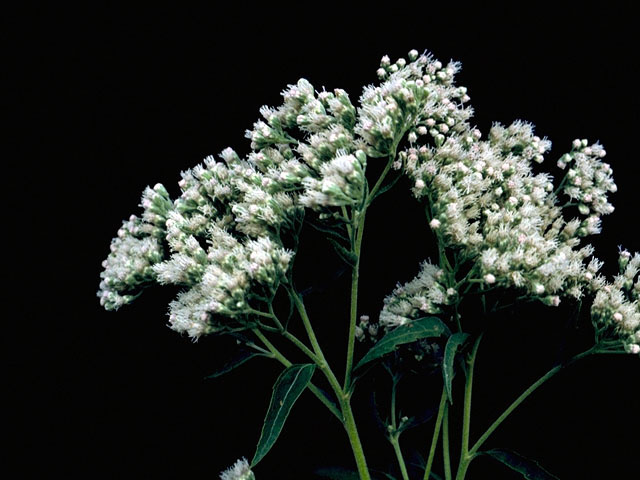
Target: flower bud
x=490, y=278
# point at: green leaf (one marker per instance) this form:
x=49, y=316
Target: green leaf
x=529, y=469
x=385, y=188
x=337, y=473
x=346, y=255
x=455, y=341
x=415, y=330
x=235, y=362
x=389, y=476
x=327, y=230
x=288, y=387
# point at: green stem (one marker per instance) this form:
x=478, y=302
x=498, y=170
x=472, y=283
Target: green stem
x=289, y=336
x=321, y=360
x=307, y=323
x=395, y=441
x=353, y=314
x=378, y=184
x=436, y=434
x=282, y=359
x=343, y=396
x=445, y=443
x=355, y=276
x=275, y=317
x=525, y=394
x=298, y=343
x=394, y=436
x=346, y=216
x=354, y=439
x=465, y=456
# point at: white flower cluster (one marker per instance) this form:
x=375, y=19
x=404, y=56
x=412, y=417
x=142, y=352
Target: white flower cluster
x=233, y=194
x=328, y=170
x=341, y=183
x=134, y=251
x=616, y=306
x=223, y=234
x=231, y=274
x=225, y=244
x=588, y=179
x=485, y=200
x=222, y=238
x=238, y=471
x=418, y=97
x=425, y=294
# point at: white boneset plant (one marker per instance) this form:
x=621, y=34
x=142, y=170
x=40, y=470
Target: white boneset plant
x=231, y=237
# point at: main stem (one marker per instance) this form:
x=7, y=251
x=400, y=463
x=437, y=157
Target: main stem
x=343, y=396
x=465, y=455
x=353, y=316
x=358, y=230
x=354, y=439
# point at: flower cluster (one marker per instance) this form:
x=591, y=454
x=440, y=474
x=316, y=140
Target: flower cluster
x=616, y=308
x=322, y=164
x=485, y=200
x=342, y=182
x=417, y=97
x=588, y=179
x=222, y=238
x=426, y=293
x=135, y=251
x=230, y=275
x=238, y=471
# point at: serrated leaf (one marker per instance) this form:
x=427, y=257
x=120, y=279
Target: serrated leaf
x=235, y=362
x=529, y=469
x=288, y=387
x=454, y=342
x=421, y=328
x=337, y=473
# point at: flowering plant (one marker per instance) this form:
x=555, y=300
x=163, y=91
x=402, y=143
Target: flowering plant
x=500, y=225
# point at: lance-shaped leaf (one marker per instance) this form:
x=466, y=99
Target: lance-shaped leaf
x=288, y=387
x=235, y=362
x=454, y=342
x=421, y=328
x=345, y=255
x=529, y=469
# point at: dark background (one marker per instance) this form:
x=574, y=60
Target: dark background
x=112, y=100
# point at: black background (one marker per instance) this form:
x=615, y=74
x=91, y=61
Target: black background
x=111, y=100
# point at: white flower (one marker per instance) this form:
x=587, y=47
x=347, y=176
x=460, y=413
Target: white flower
x=425, y=293
x=239, y=471
x=341, y=182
